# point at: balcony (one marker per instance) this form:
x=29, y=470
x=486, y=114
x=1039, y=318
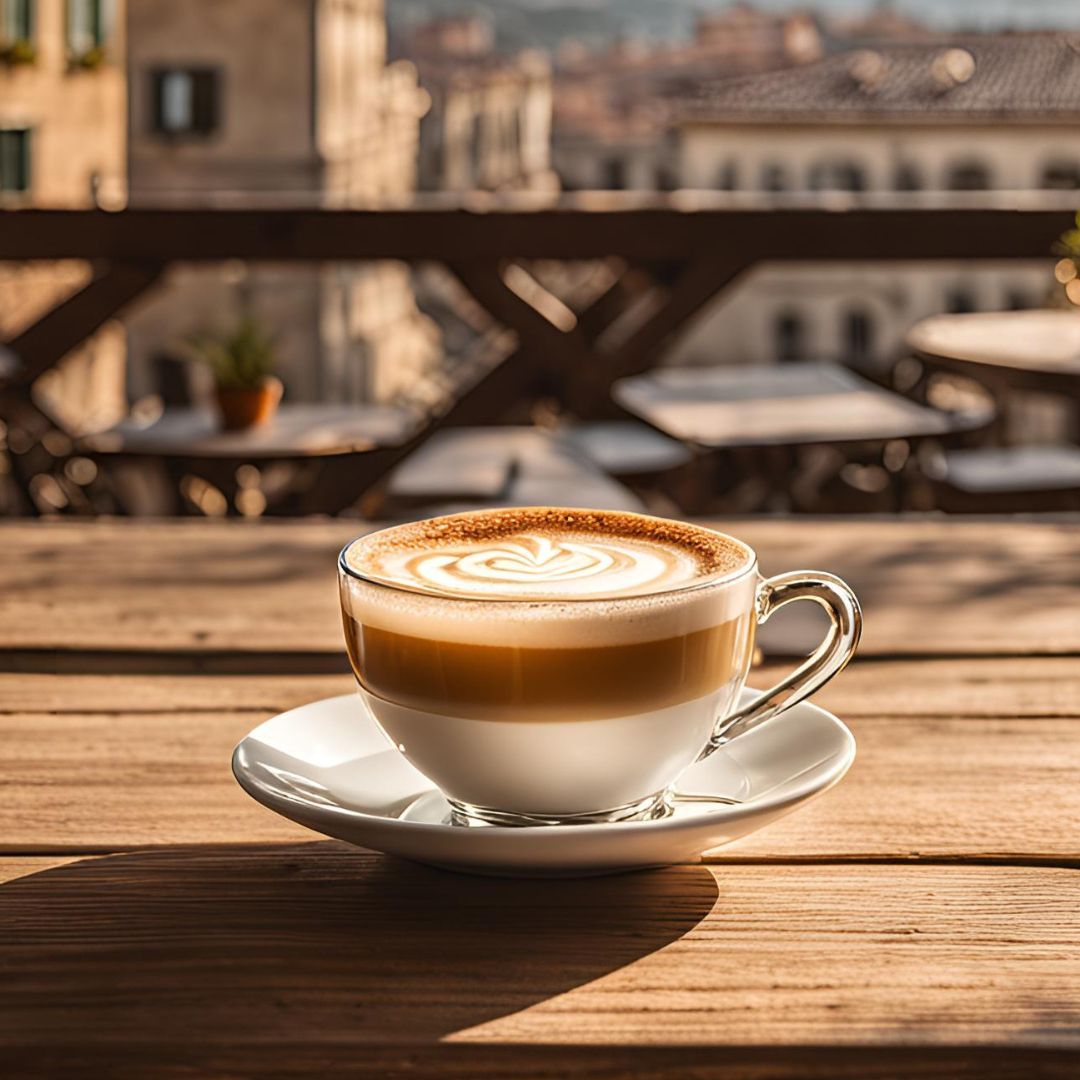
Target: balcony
x=664, y=259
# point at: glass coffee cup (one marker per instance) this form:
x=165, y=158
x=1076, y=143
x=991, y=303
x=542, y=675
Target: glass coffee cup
x=544, y=666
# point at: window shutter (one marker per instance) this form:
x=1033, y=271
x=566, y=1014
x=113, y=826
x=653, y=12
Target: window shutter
x=205, y=104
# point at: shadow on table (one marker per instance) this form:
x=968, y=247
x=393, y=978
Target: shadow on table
x=308, y=944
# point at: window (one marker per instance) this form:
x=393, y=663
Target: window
x=16, y=21
x=615, y=174
x=907, y=178
x=959, y=301
x=969, y=176
x=1063, y=175
x=728, y=180
x=185, y=101
x=837, y=176
x=87, y=25
x=15, y=160
x=858, y=336
x=788, y=331
x=773, y=179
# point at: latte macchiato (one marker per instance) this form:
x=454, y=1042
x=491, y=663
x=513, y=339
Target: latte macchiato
x=540, y=615
x=549, y=664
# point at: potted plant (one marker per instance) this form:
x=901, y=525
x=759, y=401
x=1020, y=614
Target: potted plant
x=243, y=364
x=18, y=52
x=89, y=59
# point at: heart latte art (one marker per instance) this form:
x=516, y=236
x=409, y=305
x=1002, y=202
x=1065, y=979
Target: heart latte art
x=542, y=565
x=538, y=555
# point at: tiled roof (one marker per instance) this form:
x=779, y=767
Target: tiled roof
x=980, y=78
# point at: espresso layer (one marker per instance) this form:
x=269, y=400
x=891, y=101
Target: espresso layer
x=543, y=553
x=524, y=684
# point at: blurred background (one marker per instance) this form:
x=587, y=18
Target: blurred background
x=669, y=255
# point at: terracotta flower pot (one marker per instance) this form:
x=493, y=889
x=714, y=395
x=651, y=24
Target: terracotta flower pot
x=249, y=407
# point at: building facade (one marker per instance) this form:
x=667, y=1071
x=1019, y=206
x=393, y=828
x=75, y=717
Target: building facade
x=488, y=126
x=62, y=145
x=278, y=102
x=616, y=109
x=930, y=116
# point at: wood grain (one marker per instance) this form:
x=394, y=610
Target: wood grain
x=921, y=919
x=487, y=1061
x=267, y=952
x=1007, y=686
x=929, y=587
x=149, y=763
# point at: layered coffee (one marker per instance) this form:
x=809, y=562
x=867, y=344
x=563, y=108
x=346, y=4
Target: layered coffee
x=540, y=614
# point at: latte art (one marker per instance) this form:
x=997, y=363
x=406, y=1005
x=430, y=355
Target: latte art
x=543, y=565
x=543, y=554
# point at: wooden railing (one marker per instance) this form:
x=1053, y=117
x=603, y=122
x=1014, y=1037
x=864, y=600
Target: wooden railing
x=674, y=254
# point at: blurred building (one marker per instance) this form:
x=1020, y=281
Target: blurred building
x=934, y=116
x=278, y=102
x=489, y=124
x=940, y=115
x=62, y=144
x=616, y=109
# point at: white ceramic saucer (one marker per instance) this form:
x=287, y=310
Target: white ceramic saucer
x=327, y=766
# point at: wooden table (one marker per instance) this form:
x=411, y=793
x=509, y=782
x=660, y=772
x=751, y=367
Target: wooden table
x=323, y=438
x=310, y=430
x=1028, y=350
x=752, y=420
x=923, y=918
x=1032, y=351
x=466, y=467
x=785, y=405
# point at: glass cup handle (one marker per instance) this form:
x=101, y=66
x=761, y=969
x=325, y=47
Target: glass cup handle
x=830, y=657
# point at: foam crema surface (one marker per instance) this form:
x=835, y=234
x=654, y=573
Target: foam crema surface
x=452, y=577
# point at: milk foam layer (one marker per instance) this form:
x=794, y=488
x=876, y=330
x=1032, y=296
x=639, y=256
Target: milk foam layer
x=537, y=566
x=450, y=578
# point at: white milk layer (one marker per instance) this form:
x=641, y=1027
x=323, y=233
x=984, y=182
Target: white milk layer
x=554, y=768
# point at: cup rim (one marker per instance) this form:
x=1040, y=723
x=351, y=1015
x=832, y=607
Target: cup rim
x=749, y=567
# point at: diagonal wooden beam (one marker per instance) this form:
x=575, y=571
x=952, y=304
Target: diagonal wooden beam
x=44, y=344
x=630, y=284
x=634, y=348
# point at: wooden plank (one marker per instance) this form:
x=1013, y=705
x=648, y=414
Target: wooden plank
x=127, y=774
x=193, y=587
x=1010, y=686
x=1007, y=686
x=163, y=694
x=271, y=951
x=203, y=589
x=660, y=228
x=482, y=1061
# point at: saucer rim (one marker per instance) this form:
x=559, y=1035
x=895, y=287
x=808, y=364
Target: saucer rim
x=495, y=834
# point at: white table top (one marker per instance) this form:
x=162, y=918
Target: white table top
x=296, y=431
x=784, y=405
x=1028, y=340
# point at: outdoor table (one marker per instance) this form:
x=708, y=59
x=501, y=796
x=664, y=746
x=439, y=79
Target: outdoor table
x=782, y=405
x=1027, y=350
x=922, y=918
x=1033, y=351
x=509, y=465
x=319, y=434
x=767, y=414
x=304, y=430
